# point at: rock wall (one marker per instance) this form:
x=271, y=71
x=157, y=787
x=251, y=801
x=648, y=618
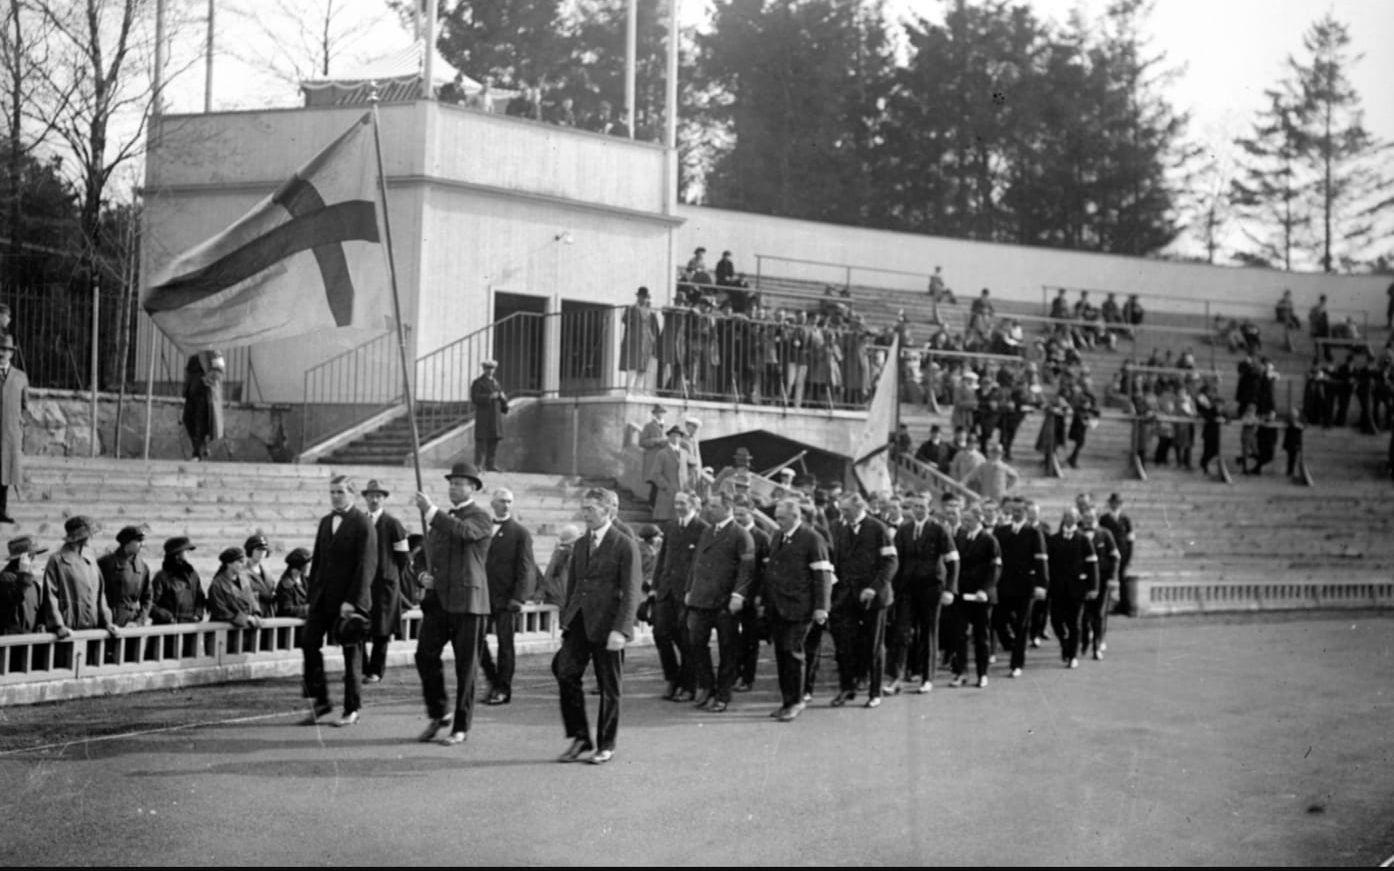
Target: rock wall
x=60, y=424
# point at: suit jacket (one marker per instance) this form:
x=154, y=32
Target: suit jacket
x=510, y=565
x=674, y=568
x=1023, y=560
x=343, y=565
x=797, y=575
x=387, y=580
x=761, y=538
x=458, y=542
x=981, y=563
x=1122, y=528
x=722, y=565
x=923, y=559
x=1074, y=568
x=1106, y=549
x=606, y=585
x=863, y=558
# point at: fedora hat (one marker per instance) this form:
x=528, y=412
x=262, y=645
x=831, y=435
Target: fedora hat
x=78, y=528
x=466, y=470
x=178, y=544
x=374, y=487
x=25, y=544
x=675, y=429
x=352, y=628
x=643, y=291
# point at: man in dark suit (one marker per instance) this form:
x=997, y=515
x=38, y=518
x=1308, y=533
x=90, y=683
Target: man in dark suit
x=980, y=567
x=490, y=405
x=719, y=582
x=1121, y=525
x=512, y=572
x=795, y=594
x=597, y=621
x=864, y=560
x=340, y=584
x=1022, y=586
x=670, y=576
x=926, y=579
x=1095, y=621
x=1074, y=580
x=455, y=604
x=1040, y=611
x=751, y=624
x=387, y=580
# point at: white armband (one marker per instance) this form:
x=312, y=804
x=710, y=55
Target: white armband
x=1091, y=559
x=821, y=565
x=951, y=556
x=889, y=550
x=400, y=546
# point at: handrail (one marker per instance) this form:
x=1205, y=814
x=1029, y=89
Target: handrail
x=1173, y=370
x=1171, y=297
x=351, y=387
x=442, y=377
x=928, y=472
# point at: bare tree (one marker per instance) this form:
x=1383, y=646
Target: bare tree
x=302, y=40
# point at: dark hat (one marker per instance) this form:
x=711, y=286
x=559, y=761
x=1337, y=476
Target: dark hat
x=675, y=429
x=231, y=555
x=658, y=409
x=1115, y=499
x=78, y=528
x=725, y=253
x=466, y=470
x=178, y=544
x=648, y=532
x=255, y=541
x=25, y=544
x=373, y=487
x=352, y=628
x=7, y=342
x=643, y=291
x=700, y=250
x=129, y=534
x=298, y=558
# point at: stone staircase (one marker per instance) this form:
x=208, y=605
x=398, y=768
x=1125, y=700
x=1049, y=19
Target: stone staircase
x=390, y=444
x=219, y=504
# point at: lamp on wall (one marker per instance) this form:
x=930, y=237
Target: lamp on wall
x=564, y=237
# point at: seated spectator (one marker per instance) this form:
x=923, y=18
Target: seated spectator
x=1227, y=333
x=453, y=91
x=527, y=104
x=1093, y=330
x=177, y=588
x=1186, y=360
x=612, y=123
x=1112, y=314
x=697, y=268
x=725, y=270
x=1132, y=311
x=73, y=585
x=292, y=596
x=1346, y=329
x=483, y=99
x=563, y=113
x=1060, y=307
x=126, y=579
x=932, y=450
x=1253, y=339
x=938, y=290
x=230, y=597
x=1287, y=313
x=23, y=608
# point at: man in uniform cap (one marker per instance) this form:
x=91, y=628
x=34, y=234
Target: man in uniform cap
x=455, y=605
x=490, y=405
x=387, y=580
x=126, y=579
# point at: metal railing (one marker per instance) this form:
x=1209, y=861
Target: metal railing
x=352, y=387
x=443, y=376
x=844, y=270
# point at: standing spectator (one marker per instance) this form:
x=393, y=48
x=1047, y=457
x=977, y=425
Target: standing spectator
x=966, y=401
x=263, y=588
x=980, y=567
x=340, y=585
x=1319, y=323
x=639, y=343
x=483, y=99
x=126, y=579
x=653, y=439
x=1132, y=312
x=1074, y=580
x=667, y=476
x=1342, y=387
x=1085, y=413
x=177, y=588
x=725, y=270
x=455, y=604
x=992, y=479
x=670, y=578
x=393, y=552
x=231, y=598
x=966, y=457
x=865, y=563
x=22, y=602
x=203, y=400
x=938, y=290
x=557, y=577
x=1248, y=438
x=1292, y=441
x=1210, y=415
x=1121, y=525
x=511, y=571
x=723, y=567
x=1286, y=312
x=597, y=621
x=292, y=598
x=1389, y=310
x=72, y=584
x=453, y=91
x=14, y=403
x=1265, y=442
x=490, y=405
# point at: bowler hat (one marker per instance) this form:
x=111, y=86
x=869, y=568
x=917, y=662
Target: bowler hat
x=231, y=555
x=643, y=291
x=78, y=528
x=465, y=469
x=374, y=487
x=129, y=534
x=298, y=558
x=675, y=429
x=25, y=544
x=178, y=544
x=658, y=409
x=648, y=531
x=352, y=628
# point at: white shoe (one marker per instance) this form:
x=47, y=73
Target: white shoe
x=982, y=682
x=1098, y=654
x=925, y=688
x=1016, y=672
x=992, y=659
x=1074, y=662
x=958, y=681
x=1102, y=647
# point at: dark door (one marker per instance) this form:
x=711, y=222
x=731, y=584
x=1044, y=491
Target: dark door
x=585, y=342
x=518, y=342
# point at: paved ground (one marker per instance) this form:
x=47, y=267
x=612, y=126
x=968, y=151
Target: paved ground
x=1261, y=740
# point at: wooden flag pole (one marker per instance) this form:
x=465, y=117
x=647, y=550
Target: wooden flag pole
x=397, y=315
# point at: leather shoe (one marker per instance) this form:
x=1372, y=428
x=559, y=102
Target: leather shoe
x=717, y=706
x=843, y=698
x=453, y=739
x=578, y=746
x=670, y=692
x=372, y=678
x=789, y=713
x=703, y=699
x=893, y=688
x=778, y=712
x=498, y=698
x=958, y=681
x=742, y=686
x=601, y=757
x=315, y=713
x=873, y=702
x=348, y=719
x=433, y=727
x=683, y=696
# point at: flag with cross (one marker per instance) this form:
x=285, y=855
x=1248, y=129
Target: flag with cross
x=304, y=259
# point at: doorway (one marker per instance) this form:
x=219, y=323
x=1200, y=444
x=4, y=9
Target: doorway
x=518, y=342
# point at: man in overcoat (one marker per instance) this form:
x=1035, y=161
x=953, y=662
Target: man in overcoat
x=14, y=402
x=490, y=405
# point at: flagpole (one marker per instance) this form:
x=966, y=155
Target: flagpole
x=397, y=315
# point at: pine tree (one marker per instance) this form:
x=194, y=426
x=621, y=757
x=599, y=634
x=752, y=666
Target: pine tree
x=1267, y=194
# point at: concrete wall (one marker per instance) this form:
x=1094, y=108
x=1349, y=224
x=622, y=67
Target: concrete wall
x=1014, y=272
